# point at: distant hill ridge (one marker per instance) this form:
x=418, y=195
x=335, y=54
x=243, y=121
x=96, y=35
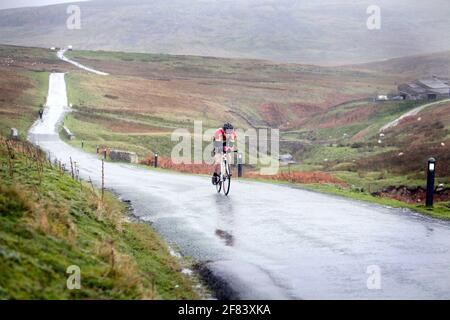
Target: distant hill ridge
x=328, y=32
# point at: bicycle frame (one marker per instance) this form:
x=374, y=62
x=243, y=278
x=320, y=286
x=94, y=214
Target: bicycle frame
x=224, y=167
x=225, y=172
x=224, y=176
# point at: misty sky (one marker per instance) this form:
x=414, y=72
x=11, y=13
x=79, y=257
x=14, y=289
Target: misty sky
x=6, y=4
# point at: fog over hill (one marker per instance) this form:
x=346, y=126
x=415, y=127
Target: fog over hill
x=7, y=4
x=419, y=66
x=304, y=31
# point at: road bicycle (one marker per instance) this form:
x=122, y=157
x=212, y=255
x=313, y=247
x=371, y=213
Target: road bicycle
x=224, y=180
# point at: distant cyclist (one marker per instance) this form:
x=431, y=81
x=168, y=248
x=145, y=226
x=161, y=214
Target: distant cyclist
x=41, y=112
x=225, y=139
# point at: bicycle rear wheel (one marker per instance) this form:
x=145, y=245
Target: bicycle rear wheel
x=219, y=186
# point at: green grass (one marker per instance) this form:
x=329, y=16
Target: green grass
x=23, y=53
x=119, y=56
x=324, y=154
x=24, y=85
x=75, y=94
x=384, y=113
x=441, y=210
x=375, y=181
x=180, y=89
x=26, y=104
x=327, y=135
x=95, y=135
x=333, y=157
x=340, y=155
x=300, y=167
x=49, y=222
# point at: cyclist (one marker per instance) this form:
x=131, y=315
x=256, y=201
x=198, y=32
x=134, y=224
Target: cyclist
x=224, y=140
x=41, y=112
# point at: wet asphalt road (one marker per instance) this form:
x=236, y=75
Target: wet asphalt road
x=271, y=241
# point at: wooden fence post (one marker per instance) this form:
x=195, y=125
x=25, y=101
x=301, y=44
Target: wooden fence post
x=71, y=167
x=103, y=180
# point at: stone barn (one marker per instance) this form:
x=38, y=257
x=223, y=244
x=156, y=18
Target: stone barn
x=123, y=156
x=425, y=89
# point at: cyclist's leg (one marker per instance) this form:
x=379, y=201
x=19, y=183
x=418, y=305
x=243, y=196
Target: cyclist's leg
x=217, y=161
x=229, y=163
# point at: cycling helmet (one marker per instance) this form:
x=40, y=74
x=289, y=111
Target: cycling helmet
x=228, y=126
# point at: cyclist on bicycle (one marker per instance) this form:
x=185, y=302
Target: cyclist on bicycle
x=224, y=141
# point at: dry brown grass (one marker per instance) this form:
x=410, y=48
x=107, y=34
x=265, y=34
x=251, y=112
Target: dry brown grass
x=53, y=221
x=33, y=59
x=166, y=163
x=123, y=259
x=44, y=216
x=179, y=90
x=294, y=177
x=353, y=116
x=300, y=177
x=106, y=210
x=123, y=269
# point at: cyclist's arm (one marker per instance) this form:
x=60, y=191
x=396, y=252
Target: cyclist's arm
x=234, y=141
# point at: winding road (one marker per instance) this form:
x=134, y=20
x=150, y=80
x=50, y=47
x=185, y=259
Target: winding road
x=61, y=55
x=410, y=113
x=268, y=241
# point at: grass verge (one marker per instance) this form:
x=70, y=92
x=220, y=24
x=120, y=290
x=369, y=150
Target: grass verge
x=441, y=210
x=22, y=93
x=48, y=222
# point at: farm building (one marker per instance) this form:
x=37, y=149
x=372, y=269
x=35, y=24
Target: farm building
x=286, y=159
x=429, y=89
x=382, y=97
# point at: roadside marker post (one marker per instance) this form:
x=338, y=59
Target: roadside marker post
x=431, y=169
x=240, y=166
x=156, y=160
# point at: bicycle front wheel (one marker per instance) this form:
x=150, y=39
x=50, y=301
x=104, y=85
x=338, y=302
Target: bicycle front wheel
x=226, y=185
x=227, y=179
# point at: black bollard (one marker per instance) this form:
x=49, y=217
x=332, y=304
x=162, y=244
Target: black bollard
x=240, y=166
x=430, y=181
x=156, y=160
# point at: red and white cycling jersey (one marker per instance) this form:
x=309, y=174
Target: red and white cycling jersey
x=220, y=135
